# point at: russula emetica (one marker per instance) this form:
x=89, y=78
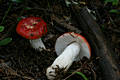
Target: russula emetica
x=33, y=28
x=69, y=47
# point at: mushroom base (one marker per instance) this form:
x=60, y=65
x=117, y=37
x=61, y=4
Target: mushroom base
x=37, y=44
x=64, y=61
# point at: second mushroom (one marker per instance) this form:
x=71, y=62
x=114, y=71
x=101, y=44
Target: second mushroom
x=69, y=47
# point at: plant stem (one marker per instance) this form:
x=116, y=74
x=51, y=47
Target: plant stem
x=82, y=75
x=6, y=13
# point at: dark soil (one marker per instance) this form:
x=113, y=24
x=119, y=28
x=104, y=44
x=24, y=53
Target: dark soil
x=19, y=61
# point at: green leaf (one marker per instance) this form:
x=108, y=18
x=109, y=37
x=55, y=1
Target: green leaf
x=27, y=8
x=82, y=75
x=5, y=41
x=114, y=2
x=103, y=28
x=106, y=1
x=2, y=28
x=114, y=11
x=19, y=18
x=17, y=1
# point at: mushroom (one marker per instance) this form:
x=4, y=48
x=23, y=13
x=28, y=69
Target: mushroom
x=69, y=47
x=33, y=28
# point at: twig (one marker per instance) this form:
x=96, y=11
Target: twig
x=64, y=24
x=10, y=6
x=42, y=9
x=93, y=73
x=91, y=62
x=10, y=71
x=73, y=73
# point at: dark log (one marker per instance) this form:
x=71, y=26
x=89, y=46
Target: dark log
x=108, y=59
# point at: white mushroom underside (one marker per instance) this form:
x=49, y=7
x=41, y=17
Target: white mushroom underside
x=37, y=44
x=63, y=41
x=65, y=60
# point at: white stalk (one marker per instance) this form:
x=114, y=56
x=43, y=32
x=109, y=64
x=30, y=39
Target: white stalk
x=37, y=44
x=65, y=60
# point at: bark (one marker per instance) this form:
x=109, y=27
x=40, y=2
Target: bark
x=108, y=59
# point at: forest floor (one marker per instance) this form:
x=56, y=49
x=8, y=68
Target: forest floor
x=18, y=60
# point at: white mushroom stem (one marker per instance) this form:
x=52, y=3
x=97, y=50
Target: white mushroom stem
x=37, y=44
x=65, y=60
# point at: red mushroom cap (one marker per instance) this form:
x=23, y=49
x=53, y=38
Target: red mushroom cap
x=32, y=28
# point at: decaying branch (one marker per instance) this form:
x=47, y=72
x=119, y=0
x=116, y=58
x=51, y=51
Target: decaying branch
x=64, y=24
